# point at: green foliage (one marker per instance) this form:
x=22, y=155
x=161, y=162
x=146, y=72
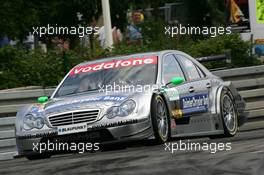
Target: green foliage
x=22, y=68
x=154, y=37
x=220, y=45
x=19, y=16
x=19, y=67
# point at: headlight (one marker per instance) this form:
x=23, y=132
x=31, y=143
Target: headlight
x=31, y=122
x=125, y=109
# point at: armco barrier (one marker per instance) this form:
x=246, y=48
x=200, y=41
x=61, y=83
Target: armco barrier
x=250, y=83
x=10, y=102
x=248, y=80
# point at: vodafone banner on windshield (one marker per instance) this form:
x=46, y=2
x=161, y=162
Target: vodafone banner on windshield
x=114, y=64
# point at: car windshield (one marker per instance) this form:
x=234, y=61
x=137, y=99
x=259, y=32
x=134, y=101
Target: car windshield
x=122, y=72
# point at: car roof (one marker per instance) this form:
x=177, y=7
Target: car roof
x=154, y=53
x=121, y=57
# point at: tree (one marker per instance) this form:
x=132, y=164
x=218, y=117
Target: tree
x=204, y=12
x=19, y=16
x=16, y=18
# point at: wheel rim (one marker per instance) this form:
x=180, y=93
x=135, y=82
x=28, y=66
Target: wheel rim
x=162, y=119
x=229, y=113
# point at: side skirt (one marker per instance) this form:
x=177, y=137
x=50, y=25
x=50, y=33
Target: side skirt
x=199, y=125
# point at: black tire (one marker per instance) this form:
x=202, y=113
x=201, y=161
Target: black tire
x=160, y=124
x=228, y=114
x=38, y=156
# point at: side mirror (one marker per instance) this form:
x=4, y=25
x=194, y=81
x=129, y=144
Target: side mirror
x=176, y=80
x=43, y=99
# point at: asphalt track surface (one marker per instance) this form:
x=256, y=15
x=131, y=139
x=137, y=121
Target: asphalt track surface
x=245, y=157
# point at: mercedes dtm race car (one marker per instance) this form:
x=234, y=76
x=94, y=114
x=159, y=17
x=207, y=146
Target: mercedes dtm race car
x=154, y=95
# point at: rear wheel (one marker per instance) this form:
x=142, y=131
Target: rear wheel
x=228, y=114
x=160, y=120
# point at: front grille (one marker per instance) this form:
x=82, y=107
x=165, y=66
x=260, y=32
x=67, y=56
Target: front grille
x=73, y=117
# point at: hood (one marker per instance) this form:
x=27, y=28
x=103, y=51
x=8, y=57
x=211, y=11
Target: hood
x=93, y=100
x=86, y=101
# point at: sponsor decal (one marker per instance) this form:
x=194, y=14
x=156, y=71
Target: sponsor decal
x=114, y=98
x=195, y=103
x=82, y=127
x=172, y=93
x=173, y=124
x=50, y=133
x=114, y=64
x=259, y=47
x=36, y=108
x=108, y=125
x=259, y=11
x=176, y=113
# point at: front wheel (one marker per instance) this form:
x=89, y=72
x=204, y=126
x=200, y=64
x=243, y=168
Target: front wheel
x=228, y=114
x=160, y=120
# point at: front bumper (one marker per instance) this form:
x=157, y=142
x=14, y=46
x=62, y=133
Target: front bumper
x=113, y=132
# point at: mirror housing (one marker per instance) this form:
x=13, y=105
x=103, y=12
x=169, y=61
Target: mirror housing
x=43, y=99
x=176, y=80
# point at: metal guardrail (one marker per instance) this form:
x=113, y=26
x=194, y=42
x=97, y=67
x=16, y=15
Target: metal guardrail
x=10, y=102
x=226, y=57
x=248, y=80
x=250, y=83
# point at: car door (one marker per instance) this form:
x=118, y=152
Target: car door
x=196, y=101
x=171, y=69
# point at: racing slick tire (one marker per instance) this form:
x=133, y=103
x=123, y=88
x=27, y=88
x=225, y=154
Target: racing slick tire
x=228, y=114
x=160, y=120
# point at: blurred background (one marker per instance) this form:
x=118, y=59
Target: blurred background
x=137, y=26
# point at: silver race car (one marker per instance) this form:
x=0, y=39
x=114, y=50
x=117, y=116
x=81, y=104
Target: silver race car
x=154, y=95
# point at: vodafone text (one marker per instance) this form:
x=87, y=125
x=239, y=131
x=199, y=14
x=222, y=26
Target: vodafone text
x=114, y=64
